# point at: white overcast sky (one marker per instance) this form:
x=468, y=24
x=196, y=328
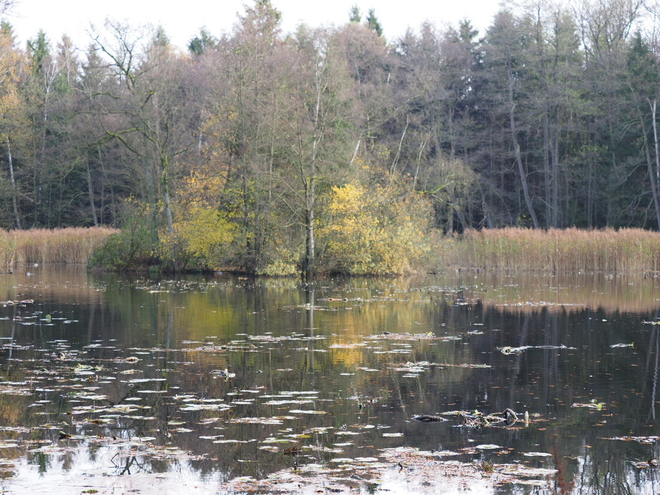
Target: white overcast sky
x=182, y=20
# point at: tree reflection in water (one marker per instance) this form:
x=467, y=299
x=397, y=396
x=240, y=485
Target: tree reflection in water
x=218, y=378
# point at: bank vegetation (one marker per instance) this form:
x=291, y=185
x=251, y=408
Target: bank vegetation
x=351, y=242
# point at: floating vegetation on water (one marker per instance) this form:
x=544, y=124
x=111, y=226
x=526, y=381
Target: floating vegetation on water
x=22, y=302
x=296, y=337
x=403, y=336
x=476, y=419
x=425, y=418
x=590, y=405
x=537, y=454
x=650, y=463
x=465, y=365
x=258, y=421
x=540, y=304
x=313, y=402
x=645, y=440
x=506, y=350
x=222, y=374
x=512, y=350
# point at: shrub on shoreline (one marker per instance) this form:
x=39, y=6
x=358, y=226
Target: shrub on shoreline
x=376, y=231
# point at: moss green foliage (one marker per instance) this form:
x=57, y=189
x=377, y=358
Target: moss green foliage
x=199, y=242
x=281, y=256
x=134, y=246
x=375, y=230
x=282, y=266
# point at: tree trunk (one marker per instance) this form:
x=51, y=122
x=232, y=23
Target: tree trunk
x=168, y=209
x=151, y=198
x=649, y=162
x=10, y=161
x=521, y=168
x=164, y=178
x=555, y=179
x=90, y=190
x=546, y=166
x=398, y=151
x=309, y=221
x=310, y=186
x=655, y=140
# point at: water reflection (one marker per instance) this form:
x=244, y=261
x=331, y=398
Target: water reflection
x=218, y=381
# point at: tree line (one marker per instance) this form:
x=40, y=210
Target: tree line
x=276, y=152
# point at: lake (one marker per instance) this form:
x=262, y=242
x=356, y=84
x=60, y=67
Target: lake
x=497, y=383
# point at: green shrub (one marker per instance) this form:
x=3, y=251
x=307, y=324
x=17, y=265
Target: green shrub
x=133, y=247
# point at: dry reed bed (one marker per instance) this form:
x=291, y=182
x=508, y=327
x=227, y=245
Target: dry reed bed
x=614, y=251
x=69, y=245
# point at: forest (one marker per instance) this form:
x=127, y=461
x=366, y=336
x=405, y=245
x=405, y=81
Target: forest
x=332, y=148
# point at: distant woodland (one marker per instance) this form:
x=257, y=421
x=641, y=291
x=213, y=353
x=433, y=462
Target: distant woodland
x=276, y=151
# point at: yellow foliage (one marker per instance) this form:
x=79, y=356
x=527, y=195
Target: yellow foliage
x=205, y=232
x=12, y=115
x=280, y=268
x=281, y=259
x=200, y=188
x=200, y=239
x=376, y=231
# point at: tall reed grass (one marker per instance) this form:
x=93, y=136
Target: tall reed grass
x=613, y=251
x=69, y=245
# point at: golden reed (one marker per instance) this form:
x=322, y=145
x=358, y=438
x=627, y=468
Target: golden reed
x=69, y=245
x=570, y=250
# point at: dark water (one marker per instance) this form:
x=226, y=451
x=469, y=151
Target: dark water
x=113, y=383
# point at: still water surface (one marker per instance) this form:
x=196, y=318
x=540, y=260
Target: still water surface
x=230, y=385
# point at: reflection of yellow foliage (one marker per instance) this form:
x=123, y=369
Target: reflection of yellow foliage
x=375, y=231
x=12, y=410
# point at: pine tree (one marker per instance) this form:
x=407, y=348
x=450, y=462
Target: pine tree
x=373, y=23
x=355, y=16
